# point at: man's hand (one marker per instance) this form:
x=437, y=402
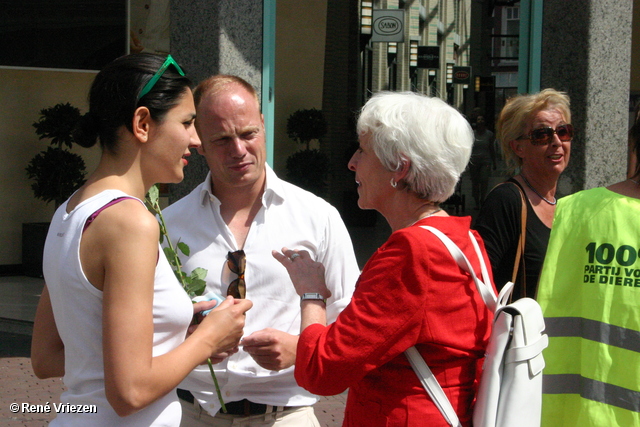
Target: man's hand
x=272, y=349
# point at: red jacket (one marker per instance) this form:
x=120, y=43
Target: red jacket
x=411, y=292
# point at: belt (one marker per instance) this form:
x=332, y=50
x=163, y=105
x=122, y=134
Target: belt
x=242, y=407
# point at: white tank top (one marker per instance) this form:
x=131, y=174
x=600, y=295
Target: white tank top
x=77, y=308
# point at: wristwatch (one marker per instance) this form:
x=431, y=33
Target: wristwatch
x=313, y=296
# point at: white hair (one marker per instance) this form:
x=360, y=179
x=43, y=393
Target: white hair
x=433, y=136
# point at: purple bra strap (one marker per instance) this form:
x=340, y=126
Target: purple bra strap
x=96, y=213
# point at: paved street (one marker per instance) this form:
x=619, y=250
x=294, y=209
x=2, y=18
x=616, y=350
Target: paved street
x=19, y=385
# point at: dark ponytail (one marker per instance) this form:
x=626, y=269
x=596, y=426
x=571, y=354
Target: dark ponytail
x=86, y=132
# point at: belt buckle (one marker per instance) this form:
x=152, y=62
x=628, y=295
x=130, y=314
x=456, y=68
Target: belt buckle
x=247, y=408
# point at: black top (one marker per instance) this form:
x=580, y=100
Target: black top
x=499, y=224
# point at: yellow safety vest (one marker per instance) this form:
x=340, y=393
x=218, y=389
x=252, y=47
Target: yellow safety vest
x=589, y=292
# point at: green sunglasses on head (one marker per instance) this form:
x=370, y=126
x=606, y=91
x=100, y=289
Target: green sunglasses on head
x=151, y=83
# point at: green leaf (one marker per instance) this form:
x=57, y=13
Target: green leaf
x=199, y=273
x=196, y=287
x=184, y=248
x=154, y=194
x=169, y=253
x=151, y=200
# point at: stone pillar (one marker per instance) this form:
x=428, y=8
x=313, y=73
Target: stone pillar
x=586, y=52
x=215, y=37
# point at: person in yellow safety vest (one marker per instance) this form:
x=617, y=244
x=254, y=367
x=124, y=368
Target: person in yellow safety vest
x=589, y=292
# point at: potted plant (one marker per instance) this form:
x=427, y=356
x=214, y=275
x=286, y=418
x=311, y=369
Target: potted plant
x=307, y=168
x=56, y=173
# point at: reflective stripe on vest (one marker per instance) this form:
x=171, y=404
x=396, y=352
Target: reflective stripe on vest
x=587, y=388
x=591, y=389
x=593, y=330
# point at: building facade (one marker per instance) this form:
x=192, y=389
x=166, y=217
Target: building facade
x=318, y=54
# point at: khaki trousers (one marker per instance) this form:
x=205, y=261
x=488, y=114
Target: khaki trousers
x=194, y=416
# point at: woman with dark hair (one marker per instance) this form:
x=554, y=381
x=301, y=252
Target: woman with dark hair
x=535, y=133
x=113, y=318
x=411, y=292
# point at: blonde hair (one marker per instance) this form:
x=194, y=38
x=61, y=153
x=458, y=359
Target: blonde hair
x=518, y=113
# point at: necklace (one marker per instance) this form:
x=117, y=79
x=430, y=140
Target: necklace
x=431, y=213
x=539, y=195
x=427, y=216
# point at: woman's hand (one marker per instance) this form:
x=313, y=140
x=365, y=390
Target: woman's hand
x=198, y=308
x=307, y=275
x=224, y=326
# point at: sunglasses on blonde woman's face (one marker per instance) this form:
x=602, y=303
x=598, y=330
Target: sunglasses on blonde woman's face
x=544, y=135
x=237, y=262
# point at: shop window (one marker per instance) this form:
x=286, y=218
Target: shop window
x=62, y=34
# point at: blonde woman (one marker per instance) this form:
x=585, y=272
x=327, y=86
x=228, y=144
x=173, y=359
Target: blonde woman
x=535, y=134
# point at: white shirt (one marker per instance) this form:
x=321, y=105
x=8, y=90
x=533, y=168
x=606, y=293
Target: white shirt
x=77, y=308
x=289, y=217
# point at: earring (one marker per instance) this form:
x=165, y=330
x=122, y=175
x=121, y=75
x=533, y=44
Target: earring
x=393, y=183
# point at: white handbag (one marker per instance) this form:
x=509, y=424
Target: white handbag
x=510, y=392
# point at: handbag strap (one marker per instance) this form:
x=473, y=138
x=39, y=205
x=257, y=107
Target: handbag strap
x=521, y=240
x=486, y=291
x=431, y=385
x=420, y=367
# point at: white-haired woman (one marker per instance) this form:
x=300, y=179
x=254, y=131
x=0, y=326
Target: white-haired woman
x=411, y=292
x=535, y=133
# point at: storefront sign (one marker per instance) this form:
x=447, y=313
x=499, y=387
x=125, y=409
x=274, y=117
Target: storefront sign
x=428, y=57
x=388, y=25
x=462, y=75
